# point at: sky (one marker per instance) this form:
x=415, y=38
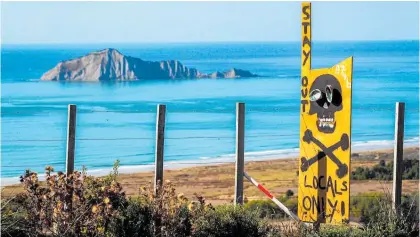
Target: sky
x=141, y=22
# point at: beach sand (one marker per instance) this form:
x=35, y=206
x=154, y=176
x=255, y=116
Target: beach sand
x=216, y=182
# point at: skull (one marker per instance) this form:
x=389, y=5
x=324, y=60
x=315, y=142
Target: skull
x=326, y=99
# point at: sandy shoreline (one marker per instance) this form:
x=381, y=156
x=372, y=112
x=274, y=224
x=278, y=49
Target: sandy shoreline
x=216, y=181
x=271, y=155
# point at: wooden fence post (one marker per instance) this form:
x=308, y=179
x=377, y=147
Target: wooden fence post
x=160, y=139
x=71, y=137
x=240, y=147
x=398, y=155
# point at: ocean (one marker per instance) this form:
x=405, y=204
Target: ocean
x=117, y=120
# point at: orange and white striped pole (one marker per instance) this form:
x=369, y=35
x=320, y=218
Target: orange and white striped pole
x=269, y=195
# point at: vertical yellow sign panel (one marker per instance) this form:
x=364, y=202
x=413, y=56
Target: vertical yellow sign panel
x=306, y=38
x=325, y=135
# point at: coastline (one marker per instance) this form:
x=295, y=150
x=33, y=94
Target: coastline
x=216, y=181
x=270, y=155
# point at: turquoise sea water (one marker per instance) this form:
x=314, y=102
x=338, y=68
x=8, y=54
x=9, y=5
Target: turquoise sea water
x=117, y=120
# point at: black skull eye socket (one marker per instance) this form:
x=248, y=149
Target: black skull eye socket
x=330, y=96
x=336, y=97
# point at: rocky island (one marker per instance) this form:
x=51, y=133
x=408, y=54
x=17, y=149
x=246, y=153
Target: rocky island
x=110, y=64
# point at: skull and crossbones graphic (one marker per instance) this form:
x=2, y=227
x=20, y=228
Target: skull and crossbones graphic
x=342, y=169
x=326, y=100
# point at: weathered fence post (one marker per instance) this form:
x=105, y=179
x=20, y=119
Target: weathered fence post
x=398, y=155
x=71, y=137
x=240, y=147
x=160, y=139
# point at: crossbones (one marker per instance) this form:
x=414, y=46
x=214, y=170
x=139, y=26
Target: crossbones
x=326, y=151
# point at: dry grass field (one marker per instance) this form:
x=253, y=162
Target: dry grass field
x=216, y=183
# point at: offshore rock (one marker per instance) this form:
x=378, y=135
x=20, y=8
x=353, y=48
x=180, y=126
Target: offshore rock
x=110, y=64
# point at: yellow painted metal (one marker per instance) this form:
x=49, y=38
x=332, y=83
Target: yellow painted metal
x=306, y=38
x=325, y=137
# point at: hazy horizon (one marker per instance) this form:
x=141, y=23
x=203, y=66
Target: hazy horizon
x=200, y=22
x=203, y=42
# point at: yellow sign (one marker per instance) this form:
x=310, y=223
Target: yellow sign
x=325, y=135
x=306, y=38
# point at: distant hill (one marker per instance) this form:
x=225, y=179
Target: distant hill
x=110, y=64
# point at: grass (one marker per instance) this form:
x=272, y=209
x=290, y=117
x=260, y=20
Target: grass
x=79, y=205
x=216, y=182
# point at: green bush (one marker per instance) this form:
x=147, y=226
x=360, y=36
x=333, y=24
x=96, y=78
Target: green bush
x=386, y=222
x=339, y=231
x=227, y=220
x=268, y=209
x=383, y=171
x=265, y=209
x=81, y=205
x=365, y=206
x=136, y=220
x=14, y=221
x=150, y=214
x=289, y=193
x=66, y=205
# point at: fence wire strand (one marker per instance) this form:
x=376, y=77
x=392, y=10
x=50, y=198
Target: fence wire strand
x=181, y=138
x=177, y=110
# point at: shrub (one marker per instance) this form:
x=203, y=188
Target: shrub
x=339, y=231
x=169, y=214
x=227, y=220
x=160, y=214
x=383, y=171
x=268, y=209
x=386, y=222
x=73, y=205
x=265, y=209
x=136, y=220
x=365, y=206
x=14, y=221
x=376, y=214
x=80, y=205
x=169, y=211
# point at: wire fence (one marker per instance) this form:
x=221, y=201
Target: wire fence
x=203, y=182
x=4, y=111
x=184, y=162
x=259, y=136
x=182, y=137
